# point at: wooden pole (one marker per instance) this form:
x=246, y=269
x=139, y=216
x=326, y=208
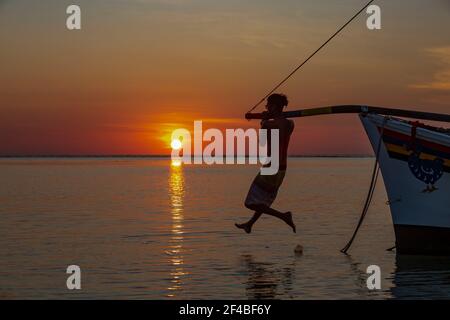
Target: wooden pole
x=355, y=109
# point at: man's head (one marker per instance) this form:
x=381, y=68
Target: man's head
x=276, y=102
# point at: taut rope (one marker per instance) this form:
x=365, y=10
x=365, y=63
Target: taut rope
x=309, y=57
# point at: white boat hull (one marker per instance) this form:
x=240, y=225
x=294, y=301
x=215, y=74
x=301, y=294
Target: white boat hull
x=413, y=162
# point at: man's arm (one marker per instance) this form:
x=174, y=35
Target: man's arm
x=267, y=124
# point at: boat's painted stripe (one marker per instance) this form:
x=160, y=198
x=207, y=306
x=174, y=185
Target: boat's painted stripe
x=423, y=149
x=404, y=151
x=402, y=154
x=407, y=139
x=405, y=128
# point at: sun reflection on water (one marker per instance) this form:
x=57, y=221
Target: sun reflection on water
x=175, y=248
x=176, y=163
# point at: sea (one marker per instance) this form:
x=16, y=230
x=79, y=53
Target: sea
x=147, y=228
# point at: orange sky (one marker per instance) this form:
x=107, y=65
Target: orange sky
x=139, y=69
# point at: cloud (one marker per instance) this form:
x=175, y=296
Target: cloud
x=441, y=78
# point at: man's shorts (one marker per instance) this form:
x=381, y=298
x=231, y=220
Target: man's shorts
x=264, y=189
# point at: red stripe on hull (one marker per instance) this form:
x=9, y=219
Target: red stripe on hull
x=407, y=139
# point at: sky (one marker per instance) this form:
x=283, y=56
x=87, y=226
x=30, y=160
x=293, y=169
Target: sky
x=138, y=69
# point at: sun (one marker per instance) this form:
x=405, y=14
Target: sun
x=176, y=144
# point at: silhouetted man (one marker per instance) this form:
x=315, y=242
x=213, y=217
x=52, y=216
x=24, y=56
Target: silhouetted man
x=264, y=188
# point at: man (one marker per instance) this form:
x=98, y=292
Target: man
x=264, y=188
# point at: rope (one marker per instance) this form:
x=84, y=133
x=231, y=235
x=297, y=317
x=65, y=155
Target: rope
x=310, y=56
x=373, y=183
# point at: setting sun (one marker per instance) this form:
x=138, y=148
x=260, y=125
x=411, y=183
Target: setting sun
x=176, y=144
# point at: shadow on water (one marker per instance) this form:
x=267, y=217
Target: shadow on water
x=356, y=269
x=266, y=280
x=414, y=277
x=421, y=277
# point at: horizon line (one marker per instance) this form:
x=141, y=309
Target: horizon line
x=168, y=156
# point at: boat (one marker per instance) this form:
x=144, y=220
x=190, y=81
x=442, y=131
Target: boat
x=414, y=160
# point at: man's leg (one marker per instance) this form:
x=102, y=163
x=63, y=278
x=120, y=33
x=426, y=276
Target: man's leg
x=247, y=226
x=259, y=210
x=285, y=216
x=255, y=217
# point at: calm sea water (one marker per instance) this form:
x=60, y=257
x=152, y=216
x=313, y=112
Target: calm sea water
x=143, y=229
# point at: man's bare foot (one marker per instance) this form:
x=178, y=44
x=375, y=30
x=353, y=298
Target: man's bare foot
x=245, y=226
x=289, y=221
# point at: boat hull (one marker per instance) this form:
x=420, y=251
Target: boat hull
x=415, y=165
x=422, y=240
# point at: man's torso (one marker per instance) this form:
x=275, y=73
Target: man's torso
x=285, y=127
